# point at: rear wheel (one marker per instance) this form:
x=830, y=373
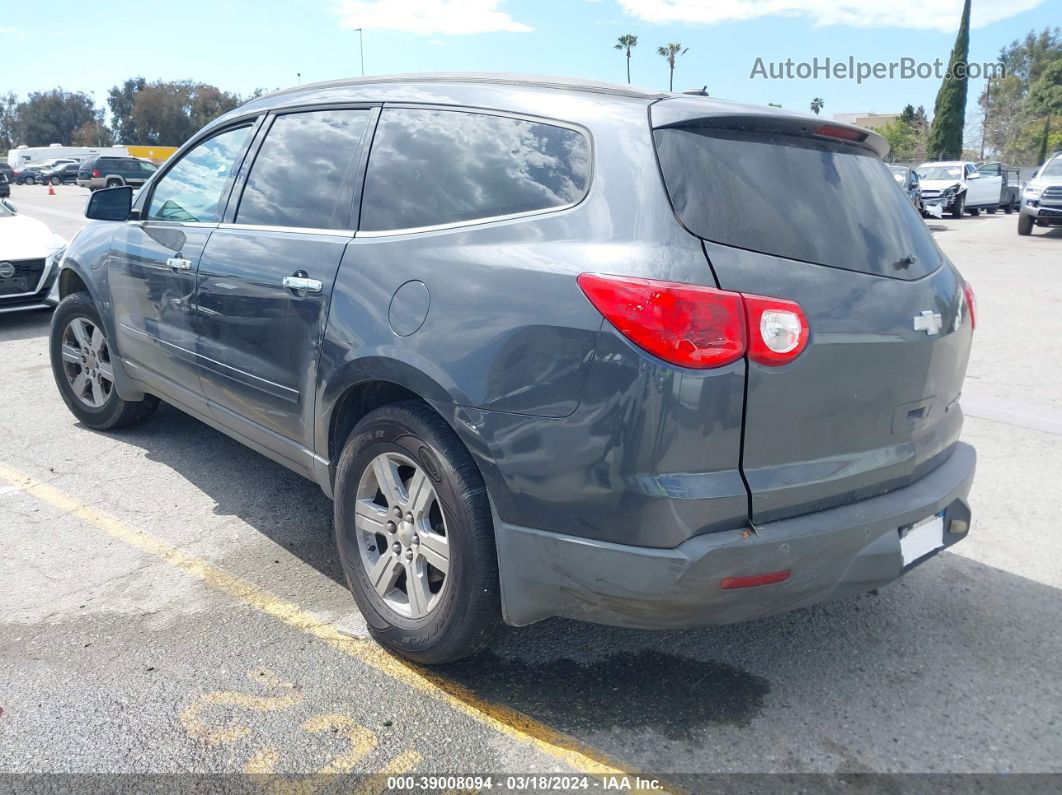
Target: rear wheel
x=1025, y=224
x=114, y=183
x=1008, y=208
x=56, y=181
x=415, y=535
x=991, y=210
x=975, y=211
x=83, y=368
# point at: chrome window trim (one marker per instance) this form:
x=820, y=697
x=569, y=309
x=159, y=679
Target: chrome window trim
x=483, y=111
x=463, y=224
x=304, y=230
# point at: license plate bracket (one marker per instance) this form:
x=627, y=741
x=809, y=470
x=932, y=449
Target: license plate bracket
x=922, y=538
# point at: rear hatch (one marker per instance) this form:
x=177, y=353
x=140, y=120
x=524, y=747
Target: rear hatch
x=798, y=209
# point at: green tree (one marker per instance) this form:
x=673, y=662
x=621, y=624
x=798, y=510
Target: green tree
x=627, y=42
x=9, y=133
x=48, y=117
x=120, y=99
x=671, y=52
x=1045, y=98
x=93, y=133
x=949, y=113
x=817, y=104
x=169, y=113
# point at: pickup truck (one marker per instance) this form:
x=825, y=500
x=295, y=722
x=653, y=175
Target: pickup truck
x=1010, y=198
x=957, y=186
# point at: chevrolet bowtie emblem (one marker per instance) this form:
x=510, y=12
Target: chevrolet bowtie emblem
x=928, y=321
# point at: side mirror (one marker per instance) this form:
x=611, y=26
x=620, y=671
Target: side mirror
x=9, y=205
x=110, y=204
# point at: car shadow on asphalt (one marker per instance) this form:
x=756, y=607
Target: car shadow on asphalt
x=15, y=326
x=925, y=671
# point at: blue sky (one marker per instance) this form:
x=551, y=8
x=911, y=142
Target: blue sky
x=242, y=45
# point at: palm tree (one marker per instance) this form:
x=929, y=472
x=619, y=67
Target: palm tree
x=670, y=52
x=817, y=105
x=626, y=42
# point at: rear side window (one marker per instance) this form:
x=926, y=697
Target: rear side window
x=432, y=167
x=193, y=189
x=302, y=174
x=794, y=197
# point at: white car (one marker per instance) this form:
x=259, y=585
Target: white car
x=956, y=186
x=29, y=261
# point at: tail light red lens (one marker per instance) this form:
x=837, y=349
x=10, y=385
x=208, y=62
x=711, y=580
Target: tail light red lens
x=971, y=304
x=778, y=330
x=95, y=172
x=840, y=132
x=698, y=327
x=684, y=324
x=754, y=581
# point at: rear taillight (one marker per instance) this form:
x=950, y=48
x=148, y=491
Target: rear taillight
x=95, y=172
x=971, y=304
x=843, y=133
x=684, y=324
x=698, y=327
x=778, y=330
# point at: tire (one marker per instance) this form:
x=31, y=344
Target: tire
x=1025, y=224
x=56, y=181
x=29, y=181
x=991, y=210
x=959, y=205
x=976, y=211
x=114, y=183
x=96, y=405
x=463, y=614
x=1008, y=208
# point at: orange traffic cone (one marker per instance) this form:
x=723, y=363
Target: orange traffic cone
x=51, y=191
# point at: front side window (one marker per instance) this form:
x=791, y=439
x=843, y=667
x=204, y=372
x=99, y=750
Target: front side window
x=193, y=189
x=432, y=167
x=301, y=173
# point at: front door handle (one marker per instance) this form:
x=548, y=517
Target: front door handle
x=302, y=284
x=179, y=264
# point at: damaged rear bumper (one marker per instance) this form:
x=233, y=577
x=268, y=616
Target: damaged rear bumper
x=830, y=554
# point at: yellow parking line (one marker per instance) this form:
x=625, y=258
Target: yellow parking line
x=507, y=721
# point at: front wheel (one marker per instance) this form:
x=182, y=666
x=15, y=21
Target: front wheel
x=83, y=368
x=1025, y=224
x=415, y=535
x=56, y=181
x=958, y=206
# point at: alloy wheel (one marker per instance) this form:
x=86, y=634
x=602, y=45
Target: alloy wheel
x=87, y=362
x=401, y=534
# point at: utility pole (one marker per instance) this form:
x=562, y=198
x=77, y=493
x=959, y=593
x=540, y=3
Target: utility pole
x=984, y=124
x=361, y=50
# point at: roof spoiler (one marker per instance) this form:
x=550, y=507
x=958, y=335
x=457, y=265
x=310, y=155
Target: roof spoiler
x=682, y=112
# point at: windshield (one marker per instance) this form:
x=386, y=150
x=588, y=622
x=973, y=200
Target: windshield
x=940, y=172
x=1053, y=169
x=800, y=198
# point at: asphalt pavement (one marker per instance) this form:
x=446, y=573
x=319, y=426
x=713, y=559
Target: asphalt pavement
x=171, y=602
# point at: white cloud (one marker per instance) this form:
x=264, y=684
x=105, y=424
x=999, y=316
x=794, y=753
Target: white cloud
x=429, y=17
x=942, y=15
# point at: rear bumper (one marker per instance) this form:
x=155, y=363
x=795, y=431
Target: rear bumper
x=831, y=554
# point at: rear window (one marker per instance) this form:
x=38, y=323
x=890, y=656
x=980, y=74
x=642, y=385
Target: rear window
x=434, y=167
x=799, y=198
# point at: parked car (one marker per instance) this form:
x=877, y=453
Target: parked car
x=1010, y=195
x=29, y=261
x=32, y=173
x=7, y=171
x=958, y=187
x=5, y=187
x=65, y=174
x=907, y=179
x=531, y=390
x=1041, y=201
x=113, y=172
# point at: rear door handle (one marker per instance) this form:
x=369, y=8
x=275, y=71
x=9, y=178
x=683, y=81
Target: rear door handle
x=179, y=264
x=302, y=284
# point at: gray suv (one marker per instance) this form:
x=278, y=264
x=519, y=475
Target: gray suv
x=553, y=349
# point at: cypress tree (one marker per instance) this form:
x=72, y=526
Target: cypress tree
x=949, y=113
